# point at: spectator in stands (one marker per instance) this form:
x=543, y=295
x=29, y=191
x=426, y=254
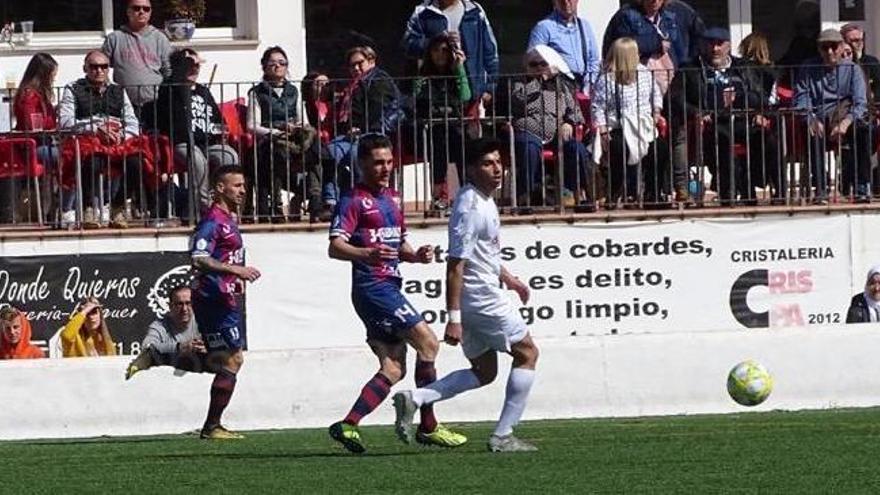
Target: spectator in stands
x=173, y=340
x=755, y=53
x=468, y=28
x=102, y=113
x=855, y=37
x=663, y=42
x=318, y=102
x=543, y=104
x=865, y=306
x=86, y=334
x=658, y=33
x=188, y=114
x=286, y=145
x=139, y=54
x=34, y=111
x=572, y=37
x=626, y=108
x=832, y=94
x=706, y=95
x=441, y=93
x=754, y=50
x=807, y=22
x=319, y=106
x=690, y=26
x=15, y=336
x=371, y=103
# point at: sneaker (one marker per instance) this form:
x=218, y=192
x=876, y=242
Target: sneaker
x=143, y=361
x=404, y=408
x=682, y=194
x=68, y=219
x=348, y=435
x=509, y=443
x=220, y=433
x=90, y=219
x=442, y=437
x=118, y=219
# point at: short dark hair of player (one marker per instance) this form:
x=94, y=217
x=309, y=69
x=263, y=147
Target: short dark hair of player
x=369, y=142
x=222, y=171
x=478, y=148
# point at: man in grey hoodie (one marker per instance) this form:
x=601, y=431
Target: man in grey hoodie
x=139, y=54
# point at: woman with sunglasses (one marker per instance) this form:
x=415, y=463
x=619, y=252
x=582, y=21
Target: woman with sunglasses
x=285, y=143
x=545, y=113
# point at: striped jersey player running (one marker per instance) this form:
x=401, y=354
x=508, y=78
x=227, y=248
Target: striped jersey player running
x=369, y=231
x=481, y=316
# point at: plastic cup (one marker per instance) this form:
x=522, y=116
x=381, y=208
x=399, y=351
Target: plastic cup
x=37, y=122
x=27, y=31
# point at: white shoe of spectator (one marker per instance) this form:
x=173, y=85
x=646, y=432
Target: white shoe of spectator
x=68, y=219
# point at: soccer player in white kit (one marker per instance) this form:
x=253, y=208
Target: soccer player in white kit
x=480, y=314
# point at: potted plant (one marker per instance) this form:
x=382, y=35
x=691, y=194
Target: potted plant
x=182, y=17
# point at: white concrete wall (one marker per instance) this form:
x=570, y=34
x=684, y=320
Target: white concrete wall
x=612, y=376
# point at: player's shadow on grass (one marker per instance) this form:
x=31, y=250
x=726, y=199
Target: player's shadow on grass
x=295, y=455
x=94, y=441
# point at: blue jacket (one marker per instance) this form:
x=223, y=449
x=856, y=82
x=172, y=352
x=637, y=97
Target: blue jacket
x=477, y=40
x=631, y=22
x=819, y=89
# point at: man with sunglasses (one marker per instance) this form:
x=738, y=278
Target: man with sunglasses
x=102, y=112
x=139, y=55
x=832, y=94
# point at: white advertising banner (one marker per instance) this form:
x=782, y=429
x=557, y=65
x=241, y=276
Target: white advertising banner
x=589, y=279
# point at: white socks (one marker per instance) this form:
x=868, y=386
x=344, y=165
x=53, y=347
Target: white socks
x=519, y=383
x=447, y=387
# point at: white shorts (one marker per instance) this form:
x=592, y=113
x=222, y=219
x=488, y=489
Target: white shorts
x=491, y=331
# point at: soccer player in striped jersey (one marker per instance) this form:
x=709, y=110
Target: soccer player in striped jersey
x=218, y=257
x=368, y=230
x=481, y=316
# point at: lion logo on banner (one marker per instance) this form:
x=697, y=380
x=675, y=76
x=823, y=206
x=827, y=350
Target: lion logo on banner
x=158, y=295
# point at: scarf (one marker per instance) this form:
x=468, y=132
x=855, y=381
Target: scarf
x=873, y=306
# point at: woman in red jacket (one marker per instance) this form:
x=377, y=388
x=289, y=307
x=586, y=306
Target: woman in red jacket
x=34, y=110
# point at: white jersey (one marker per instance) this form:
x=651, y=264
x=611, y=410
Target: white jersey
x=473, y=236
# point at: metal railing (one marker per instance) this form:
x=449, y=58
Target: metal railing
x=728, y=138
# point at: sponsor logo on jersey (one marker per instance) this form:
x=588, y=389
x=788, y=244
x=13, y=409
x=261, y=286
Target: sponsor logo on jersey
x=384, y=234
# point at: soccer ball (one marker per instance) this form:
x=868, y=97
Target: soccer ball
x=749, y=383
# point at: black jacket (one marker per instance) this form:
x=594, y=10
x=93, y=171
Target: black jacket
x=696, y=90
x=858, y=310
x=376, y=104
x=871, y=65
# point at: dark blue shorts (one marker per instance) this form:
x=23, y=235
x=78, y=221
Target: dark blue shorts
x=386, y=313
x=219, y=325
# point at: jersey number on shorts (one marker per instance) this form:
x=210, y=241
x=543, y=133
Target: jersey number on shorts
x=402, y=312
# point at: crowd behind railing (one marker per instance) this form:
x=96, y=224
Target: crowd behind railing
x=668, y=118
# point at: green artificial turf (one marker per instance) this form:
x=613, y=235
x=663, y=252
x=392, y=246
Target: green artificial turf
x=778, y=452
